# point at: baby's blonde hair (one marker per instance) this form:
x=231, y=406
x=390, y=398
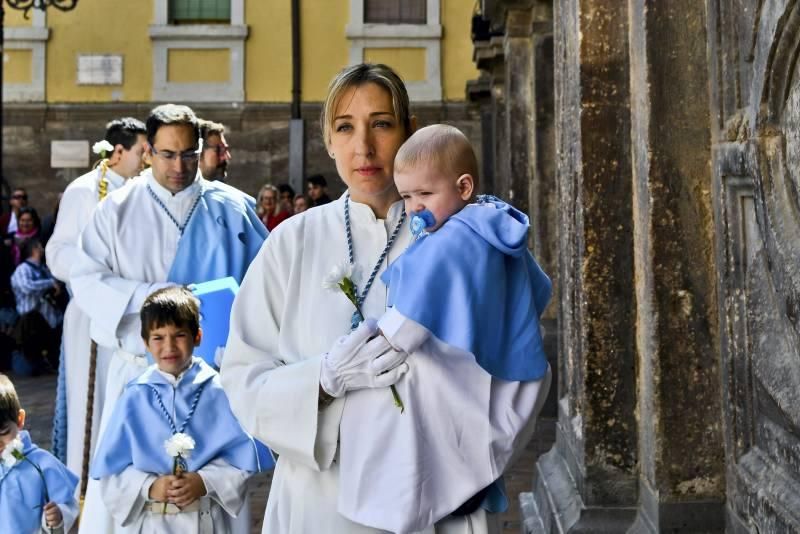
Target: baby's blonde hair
x=441, y=145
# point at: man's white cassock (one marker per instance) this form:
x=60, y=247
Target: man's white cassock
x=74, y=213
x=127, y=251
x=282, y=323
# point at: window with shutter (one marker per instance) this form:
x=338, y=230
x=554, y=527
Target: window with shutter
x=199, y=11
x=395, y=11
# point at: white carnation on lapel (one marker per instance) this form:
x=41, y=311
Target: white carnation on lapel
x=340, y=272
x=101, y=147
x=12, y=453
x=179, y=444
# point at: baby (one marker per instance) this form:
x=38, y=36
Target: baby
x=173, y=457
x=465, y=300
x=37, y=492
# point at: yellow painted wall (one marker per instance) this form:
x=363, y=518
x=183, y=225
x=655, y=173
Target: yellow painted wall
x=268, y=51
x=193, y=65
x=17, y=66
x=457, y=65
x=409, y=63
x=15, y=17
x=326, y=48
x=92, y=28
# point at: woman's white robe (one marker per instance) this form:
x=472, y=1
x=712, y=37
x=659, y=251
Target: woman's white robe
x=282, y=323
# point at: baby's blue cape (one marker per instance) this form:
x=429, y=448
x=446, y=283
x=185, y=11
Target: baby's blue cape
x=474, y=284
x=223, y=237
x=22, y=493
x=138, y=427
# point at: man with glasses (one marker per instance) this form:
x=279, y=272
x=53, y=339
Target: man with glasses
x=215, y=152
x=120, y=161
x=168, y=226
x=8, y=221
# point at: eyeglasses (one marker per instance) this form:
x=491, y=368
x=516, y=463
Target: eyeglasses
x=219, y=149
x=19, y=197
x=169, y=155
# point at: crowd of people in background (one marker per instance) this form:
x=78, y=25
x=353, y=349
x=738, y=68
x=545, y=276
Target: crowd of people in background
x=32, y=300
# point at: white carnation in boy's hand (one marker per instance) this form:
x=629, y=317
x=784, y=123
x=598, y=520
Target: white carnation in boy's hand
x=102, y=147
x=340, y=272
x=12, y=453
x=179, y=444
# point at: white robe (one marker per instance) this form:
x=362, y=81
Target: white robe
x=77, y=205
x=127, y=251
x=283, y=321
x=126, y=495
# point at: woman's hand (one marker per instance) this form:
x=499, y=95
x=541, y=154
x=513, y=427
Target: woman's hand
x=361, y=360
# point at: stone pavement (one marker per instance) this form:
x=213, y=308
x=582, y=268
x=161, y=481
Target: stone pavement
x=37, y=396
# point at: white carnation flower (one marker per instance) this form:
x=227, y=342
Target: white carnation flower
x=102, y=146
x=340, y=271
x=179, y=444
x=8, y=457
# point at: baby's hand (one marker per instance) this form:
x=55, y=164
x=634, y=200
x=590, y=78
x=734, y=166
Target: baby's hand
x=52, y=514
x=158, y=490
x=185, y=489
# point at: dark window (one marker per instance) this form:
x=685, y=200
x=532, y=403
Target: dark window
x=395, y=11
x=199, y=11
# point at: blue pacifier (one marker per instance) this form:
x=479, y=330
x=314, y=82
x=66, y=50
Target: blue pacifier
x=420, y=221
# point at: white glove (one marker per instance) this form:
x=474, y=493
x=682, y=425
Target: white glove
x=357, y=362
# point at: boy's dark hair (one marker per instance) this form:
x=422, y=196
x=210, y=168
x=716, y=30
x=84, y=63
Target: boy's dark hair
x=318, y=179
x=170, y=306
x=27, y=246
x=171, y=114
x=9, y=402
x=124, y=131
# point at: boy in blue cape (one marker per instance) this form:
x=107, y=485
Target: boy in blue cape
x=174, y=459
x=37, y=492
x=465, y=300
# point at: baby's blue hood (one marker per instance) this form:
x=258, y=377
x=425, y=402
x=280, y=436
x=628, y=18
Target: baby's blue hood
x=500, y=224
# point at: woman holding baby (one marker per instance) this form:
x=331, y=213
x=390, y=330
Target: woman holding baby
x=301, y=355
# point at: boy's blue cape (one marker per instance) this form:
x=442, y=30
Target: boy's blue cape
x=474, y=284
x=22, y=493
x=138, y=427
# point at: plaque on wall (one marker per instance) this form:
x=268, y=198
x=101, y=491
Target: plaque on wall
x=69, y=154
x=100, y=69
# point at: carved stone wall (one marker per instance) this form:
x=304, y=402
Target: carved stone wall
x=676, y=229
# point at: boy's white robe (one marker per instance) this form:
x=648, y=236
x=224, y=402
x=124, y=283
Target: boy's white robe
x=127, y=251
x=282, y=323
x=74, y=213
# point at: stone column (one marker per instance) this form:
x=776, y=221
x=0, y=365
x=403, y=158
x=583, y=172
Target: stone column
x=681, y=454
x=588, y=481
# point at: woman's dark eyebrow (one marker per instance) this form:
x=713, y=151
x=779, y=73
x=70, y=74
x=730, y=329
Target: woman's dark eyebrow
x=373, y=114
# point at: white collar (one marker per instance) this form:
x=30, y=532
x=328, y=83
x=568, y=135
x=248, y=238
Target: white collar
x=114, y=178
x=172, y=379
x=165, y=194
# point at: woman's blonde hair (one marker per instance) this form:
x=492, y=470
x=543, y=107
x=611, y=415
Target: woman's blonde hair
x=265, y=188
x=360, y=74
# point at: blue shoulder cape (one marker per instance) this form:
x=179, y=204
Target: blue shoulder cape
x=223, y=237
x=138, y=427
x=22, y=492
x=474, y=284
